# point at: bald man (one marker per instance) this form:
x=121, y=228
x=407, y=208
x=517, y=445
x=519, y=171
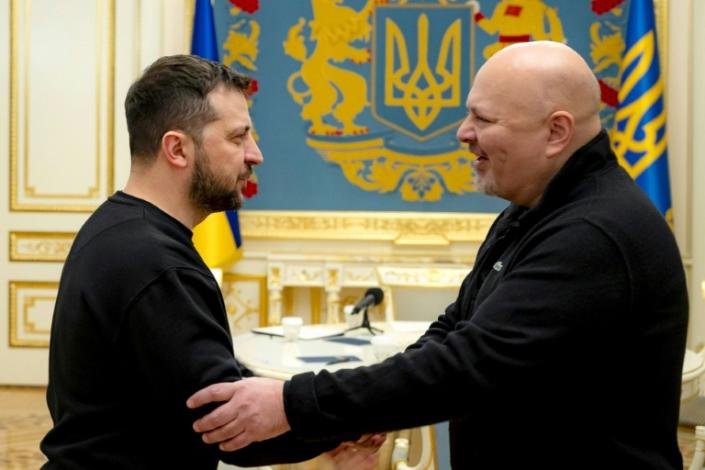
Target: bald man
x=565, y=345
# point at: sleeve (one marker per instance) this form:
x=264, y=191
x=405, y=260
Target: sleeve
x=174, y=338
x=558, y=296
x=177, y=342
x=286, y=448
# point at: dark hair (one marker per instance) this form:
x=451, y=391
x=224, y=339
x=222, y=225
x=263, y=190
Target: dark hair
x=172, y=93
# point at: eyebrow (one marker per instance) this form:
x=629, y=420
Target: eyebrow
x=474, y=109
x=481, y=111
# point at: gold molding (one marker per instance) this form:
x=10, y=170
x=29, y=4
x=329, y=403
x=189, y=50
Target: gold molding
x=138, y=38
x=262, y=284
x=13, y=99
x=46, y=246
x=30, y=191
x=28, y=325
x=110, y=131
x=315, y=303
x=400, y=228
x=425, y=278
x=14, y=286
x=288, y=300
x=188, y=24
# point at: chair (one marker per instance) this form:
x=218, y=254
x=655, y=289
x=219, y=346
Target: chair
x=417, y=294
x=693, y=373
x=401, y=452
x=699, y=455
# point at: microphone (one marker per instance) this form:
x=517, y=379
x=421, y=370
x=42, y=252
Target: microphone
x=373, y=296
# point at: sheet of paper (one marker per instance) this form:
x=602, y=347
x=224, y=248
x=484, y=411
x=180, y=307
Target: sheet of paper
x=307, y=331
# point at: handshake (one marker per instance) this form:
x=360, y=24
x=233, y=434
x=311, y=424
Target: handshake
x=252, y=410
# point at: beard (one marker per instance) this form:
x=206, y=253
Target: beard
x=484, y=183
x=485, y=186
x=209, y=192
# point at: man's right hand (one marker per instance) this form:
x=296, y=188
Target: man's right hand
x=253, y=411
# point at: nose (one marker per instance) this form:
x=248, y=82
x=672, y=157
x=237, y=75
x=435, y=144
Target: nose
x=253, y=155
x=466, y=131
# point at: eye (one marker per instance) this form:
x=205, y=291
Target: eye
x=481, y=119
x=238, y=139
x=473, y=115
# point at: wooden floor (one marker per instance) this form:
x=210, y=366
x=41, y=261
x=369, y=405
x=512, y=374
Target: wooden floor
x=24, y=419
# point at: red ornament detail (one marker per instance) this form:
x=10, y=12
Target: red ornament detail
x=513, y=10
x=253, y=88
x=479, y=16
x=603, y=6
x=248, y=6
x=250, y=188
x=608, y=94
x=513, y=39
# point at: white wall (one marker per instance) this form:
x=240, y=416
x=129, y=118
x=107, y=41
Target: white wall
x=65, y=69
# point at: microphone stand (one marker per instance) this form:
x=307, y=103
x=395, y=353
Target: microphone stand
x=366, y=324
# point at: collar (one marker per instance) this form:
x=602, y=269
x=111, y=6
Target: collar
x=589, y=159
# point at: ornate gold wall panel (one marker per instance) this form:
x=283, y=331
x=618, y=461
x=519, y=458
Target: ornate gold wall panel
x=61, y=123
x=40, y=246
x=31, y=310
x=427, y=277
x=401, y=228
x=31, y=306
x=245, y=301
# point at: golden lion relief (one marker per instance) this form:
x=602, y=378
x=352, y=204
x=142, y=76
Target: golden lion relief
x=330, y=90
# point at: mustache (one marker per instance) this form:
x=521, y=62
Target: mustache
x=245, y=175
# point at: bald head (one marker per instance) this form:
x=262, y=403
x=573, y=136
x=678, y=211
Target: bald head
x=543, y=77
x=530, y=108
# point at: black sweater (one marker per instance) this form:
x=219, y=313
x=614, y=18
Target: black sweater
x=139, y=325
x=564, y=348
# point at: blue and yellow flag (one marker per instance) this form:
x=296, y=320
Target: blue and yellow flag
x=639, y=134
x=217, y=238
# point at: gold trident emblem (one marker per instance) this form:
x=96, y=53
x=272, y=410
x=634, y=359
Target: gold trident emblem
x=422, y=95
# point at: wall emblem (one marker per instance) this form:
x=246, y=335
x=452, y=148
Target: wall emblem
x=514, y=21
x=382, y=90
x=419, y=95
x=606, y=51
x=377, y=88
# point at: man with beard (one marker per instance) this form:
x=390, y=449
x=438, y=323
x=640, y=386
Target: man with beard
x=565, y=345
x=140, y=323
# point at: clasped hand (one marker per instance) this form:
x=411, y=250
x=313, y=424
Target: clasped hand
x=253, y=410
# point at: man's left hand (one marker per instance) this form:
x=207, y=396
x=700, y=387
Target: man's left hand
x=253, y=411
x=360, y=455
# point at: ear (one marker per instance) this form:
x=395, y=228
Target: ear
x=177, y=148
x=561, y=129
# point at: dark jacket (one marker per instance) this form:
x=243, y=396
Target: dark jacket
x=139, y=325
x=564, y=348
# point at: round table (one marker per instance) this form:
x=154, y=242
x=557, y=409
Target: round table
x=275, y=357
